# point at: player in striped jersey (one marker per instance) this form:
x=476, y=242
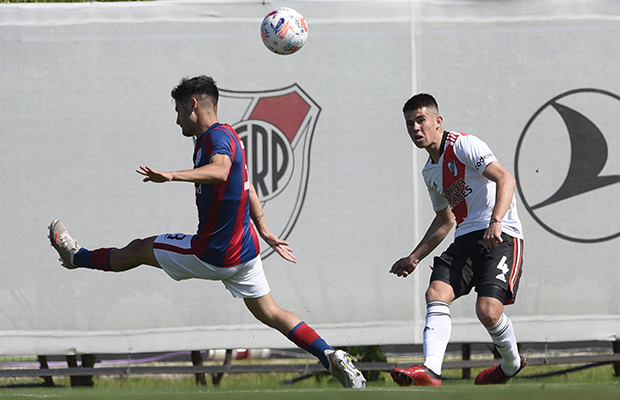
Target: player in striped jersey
x=467, y=185
x=226, y=246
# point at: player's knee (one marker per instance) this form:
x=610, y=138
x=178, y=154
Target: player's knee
x=486, y=318
x=489, y=311
x=439, y=291
x=138, y=251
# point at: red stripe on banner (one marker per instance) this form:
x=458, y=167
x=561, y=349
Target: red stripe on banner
x=287, y=112
x=172, y=249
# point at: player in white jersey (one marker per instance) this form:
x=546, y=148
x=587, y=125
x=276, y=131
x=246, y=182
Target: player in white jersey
x=467, y=185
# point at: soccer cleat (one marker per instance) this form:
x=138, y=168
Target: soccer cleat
x=63, y=243
x=495, y=375
x=342, y=368
x=417, y=375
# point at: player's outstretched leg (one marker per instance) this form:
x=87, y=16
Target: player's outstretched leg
x=337, y=362
x=138, y=252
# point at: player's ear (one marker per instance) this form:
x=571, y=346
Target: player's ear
x=193, y=104
x=439, y=120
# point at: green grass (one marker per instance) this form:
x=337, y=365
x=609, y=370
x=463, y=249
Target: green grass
x=594, y=383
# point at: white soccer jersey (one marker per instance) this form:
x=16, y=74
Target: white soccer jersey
x=457, y=181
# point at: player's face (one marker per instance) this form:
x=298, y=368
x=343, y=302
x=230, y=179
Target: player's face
x=424, y=127
x=184, y=118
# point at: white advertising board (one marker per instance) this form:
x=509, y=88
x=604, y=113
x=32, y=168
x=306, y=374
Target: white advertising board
x=84, y=101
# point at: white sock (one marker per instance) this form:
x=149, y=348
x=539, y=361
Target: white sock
x=436, y=334
x=503, y=337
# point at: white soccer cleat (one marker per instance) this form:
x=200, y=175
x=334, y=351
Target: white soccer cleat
x=342, y=368
x=63, y=243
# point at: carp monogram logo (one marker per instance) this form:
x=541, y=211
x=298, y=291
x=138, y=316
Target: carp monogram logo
x=276, y=128
x=567, y=166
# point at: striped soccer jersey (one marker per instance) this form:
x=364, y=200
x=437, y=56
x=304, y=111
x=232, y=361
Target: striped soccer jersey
x=225, y=235
x=457, y=181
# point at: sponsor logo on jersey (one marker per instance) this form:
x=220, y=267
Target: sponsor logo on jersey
x=480, y=162
x=457, y=192
x=276, y=127
x=567, y=168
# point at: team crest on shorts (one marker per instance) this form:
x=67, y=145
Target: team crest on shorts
x=276, y=127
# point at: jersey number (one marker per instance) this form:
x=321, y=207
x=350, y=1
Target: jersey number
x=176, y=236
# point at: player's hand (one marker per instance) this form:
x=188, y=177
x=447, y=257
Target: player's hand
x=493, y=236
x=280, y=247
x=403, y=267
x=154, y=176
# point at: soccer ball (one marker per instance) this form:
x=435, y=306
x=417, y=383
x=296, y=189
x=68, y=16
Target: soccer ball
x=284, y=31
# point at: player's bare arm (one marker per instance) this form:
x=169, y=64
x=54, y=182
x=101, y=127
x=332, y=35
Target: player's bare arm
x=436, y=233
x=215, y=172
x=258, y=217
x=504, y=193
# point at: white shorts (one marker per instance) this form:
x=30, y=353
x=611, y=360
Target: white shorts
x=174, y=254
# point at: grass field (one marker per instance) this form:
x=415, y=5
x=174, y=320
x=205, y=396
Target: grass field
x=598, y=383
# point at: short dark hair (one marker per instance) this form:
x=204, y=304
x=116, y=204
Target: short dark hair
x=199, y=85
x=419, y=101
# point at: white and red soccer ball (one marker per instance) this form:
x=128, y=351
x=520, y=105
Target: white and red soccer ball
x=284, y=31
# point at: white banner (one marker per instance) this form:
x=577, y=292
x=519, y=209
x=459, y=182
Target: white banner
x=85, y=100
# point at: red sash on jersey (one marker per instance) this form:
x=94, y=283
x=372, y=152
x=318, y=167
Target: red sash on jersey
x=453, y=180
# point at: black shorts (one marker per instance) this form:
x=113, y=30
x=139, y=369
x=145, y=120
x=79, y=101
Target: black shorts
x=467, y=263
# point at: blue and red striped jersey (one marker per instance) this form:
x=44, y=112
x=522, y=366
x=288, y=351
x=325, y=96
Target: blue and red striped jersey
x=225, y=235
